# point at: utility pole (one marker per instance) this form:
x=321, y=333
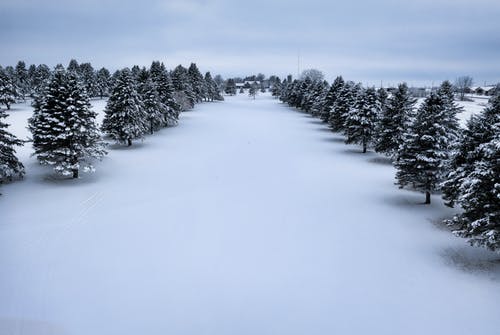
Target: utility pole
x=298, y=63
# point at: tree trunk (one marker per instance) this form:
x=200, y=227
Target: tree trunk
x=75, y=173
x=364, y=147
x=427, y=197
x=151, y=128
x=129, y=142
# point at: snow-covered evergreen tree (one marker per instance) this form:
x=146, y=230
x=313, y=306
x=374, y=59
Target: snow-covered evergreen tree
x=166, y=92
x=125, y=118
x=10, y=166
x=394, y=121
x=276, y=87
x=424, y=148
x=446, y=93
x=252, y=91
x=362, y=119
x=89, y=79
x=480, y=130
x=8, y=91
x=480, y=198
x=182, y=84
x=74, y=67
x=22, y=79
x=65, y=134
x=319, y=97
x=211, y=89
x=154, y=108
x=331, y=98
x=197, y=82
x=103, y=82
x=40, y=79
x=230, y=87
x=343, y=104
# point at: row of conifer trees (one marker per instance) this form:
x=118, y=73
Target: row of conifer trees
x=428, y=148
x=65, y=134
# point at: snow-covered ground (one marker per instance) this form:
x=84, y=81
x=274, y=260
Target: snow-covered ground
x=247, y=218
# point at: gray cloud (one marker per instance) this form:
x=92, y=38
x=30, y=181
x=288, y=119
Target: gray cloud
x=369, y=41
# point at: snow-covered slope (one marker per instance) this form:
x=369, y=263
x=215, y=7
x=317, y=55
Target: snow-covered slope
x=247, y=218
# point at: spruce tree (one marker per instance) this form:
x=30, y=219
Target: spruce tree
x=125, y=118
x=361, y=120
x=166, y=92
x=230, y=87
x=89, y=79
x=331, y=98
x=197, y=82
x=394, y=121
x=466, y=152
x=10, y=166
x=252, y=92
x=319, y=96
x=480, y=198
x=22, y=79
x=154, y=108
x=182, y=84
x=8, y=92
x=344, y=102
x=446, y=93
x=65, y=134
x=424, y=148
x=103, y=82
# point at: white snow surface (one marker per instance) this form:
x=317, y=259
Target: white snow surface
x=248, y=218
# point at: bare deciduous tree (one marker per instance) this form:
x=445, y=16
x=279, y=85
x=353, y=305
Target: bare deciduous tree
x=463, y=84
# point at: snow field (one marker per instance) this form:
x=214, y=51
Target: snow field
x=247, y=218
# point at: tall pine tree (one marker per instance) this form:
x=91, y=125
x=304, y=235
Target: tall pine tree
x=361, y=120
x=125, y=118
x=10, y=166
x=394, y=121
x=65, y=134
x=424, y=148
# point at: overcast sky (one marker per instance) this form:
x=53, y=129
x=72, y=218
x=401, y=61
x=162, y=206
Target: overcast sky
x=390, y=40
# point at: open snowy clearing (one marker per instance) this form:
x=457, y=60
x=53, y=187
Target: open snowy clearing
x=247, y=218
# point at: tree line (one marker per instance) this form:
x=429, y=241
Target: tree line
x=429, y=150
x=64, y=131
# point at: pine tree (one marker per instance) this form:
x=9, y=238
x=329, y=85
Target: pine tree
x=65, y=134
x=74, y=67
x=166, y=92
x=125, y=118
x=196, y=80
x=479, y=131
x=211, y=89
x=361, y=120
x=8, y=92
x=182, y=84
x=252, y=92
x=394, y=121
x=89, y=79
x=230, y=87
x=343, y=104
x=40, y=79
x=319, y=98
x=103, y=82
x=446, y=93
x=154, y=108
x=424, y=148
x=480, y=198
x=10, y=166
x=276, y=87
x=21, y=79
x=331, y=98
